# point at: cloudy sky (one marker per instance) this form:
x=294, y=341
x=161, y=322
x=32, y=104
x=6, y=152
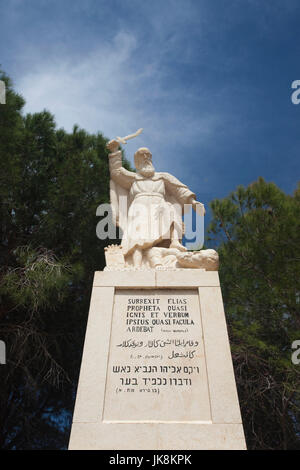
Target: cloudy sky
x=208, y=80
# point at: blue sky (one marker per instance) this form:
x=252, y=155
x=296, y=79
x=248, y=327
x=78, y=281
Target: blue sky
x=208, y=80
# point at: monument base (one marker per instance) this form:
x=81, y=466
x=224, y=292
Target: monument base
x=156, y=370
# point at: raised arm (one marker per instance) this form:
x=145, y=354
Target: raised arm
x=118, y=173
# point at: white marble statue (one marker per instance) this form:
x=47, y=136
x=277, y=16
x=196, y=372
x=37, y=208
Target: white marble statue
x=148, y=206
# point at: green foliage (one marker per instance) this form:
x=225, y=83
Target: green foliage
x=39, y=280
x=258, y=232
x=51, y=183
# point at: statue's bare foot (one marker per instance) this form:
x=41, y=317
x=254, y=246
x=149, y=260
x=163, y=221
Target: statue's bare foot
x=177, y=245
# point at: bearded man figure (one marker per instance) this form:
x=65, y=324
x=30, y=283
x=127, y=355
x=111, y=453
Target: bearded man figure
x=147, y=205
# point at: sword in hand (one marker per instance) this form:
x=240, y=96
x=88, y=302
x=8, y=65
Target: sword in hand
x=114, y=144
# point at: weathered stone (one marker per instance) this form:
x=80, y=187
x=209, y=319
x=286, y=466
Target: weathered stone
x=156, y=370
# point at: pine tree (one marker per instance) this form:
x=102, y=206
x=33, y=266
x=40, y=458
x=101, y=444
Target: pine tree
x=257, y=230
x=52, y=182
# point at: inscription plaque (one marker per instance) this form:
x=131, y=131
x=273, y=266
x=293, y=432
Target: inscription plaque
x=156, y=370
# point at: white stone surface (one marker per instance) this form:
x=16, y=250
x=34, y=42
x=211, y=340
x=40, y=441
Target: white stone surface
x=125, y=279
x=203, y=416
x=157, y=436
x=92, y=378
x=223, y=394
x=149, y=278
x=159, y=345
x=187, y=278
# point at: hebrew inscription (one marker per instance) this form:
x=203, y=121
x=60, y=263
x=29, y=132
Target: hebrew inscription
x=156, y=368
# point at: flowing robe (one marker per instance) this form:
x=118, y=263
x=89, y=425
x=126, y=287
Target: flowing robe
x=146, y=208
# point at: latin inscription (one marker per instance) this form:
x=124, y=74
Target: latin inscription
x=156, y=368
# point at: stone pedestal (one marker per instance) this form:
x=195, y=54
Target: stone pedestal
x=156, y=371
